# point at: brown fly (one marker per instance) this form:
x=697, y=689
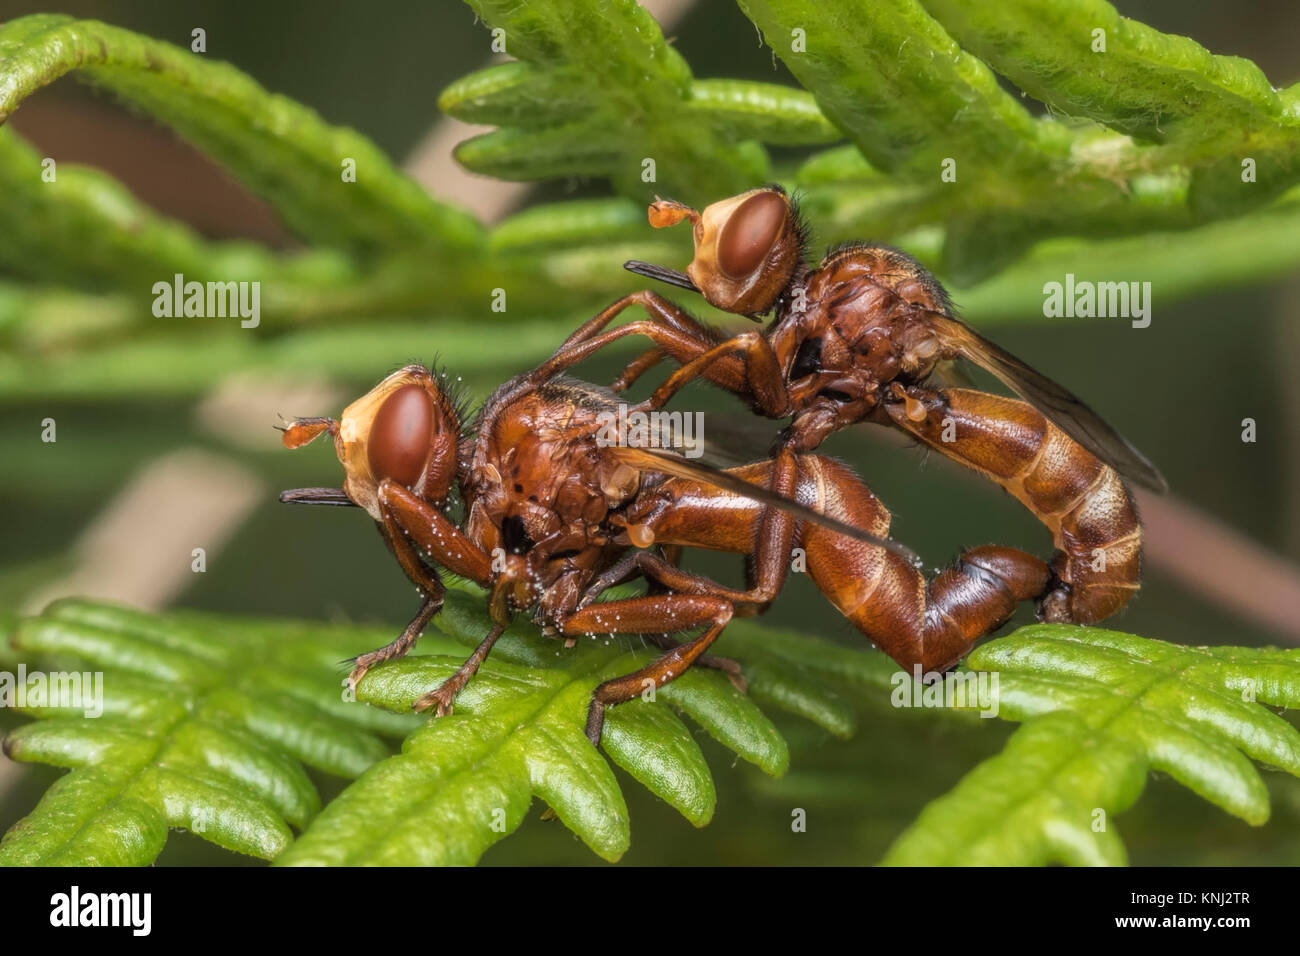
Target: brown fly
x=554, y=512
x=861, y=338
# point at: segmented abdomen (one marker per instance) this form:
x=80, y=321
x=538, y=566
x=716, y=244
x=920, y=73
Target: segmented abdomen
x=1082, y=501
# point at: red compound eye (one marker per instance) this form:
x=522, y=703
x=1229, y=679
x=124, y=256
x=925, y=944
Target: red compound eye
x=400, y=436
x=750, y=233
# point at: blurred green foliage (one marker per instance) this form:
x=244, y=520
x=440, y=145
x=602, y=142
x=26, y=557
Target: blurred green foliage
x=598, y=93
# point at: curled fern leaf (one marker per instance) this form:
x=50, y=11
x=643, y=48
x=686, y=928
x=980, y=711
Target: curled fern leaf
x=280, y=148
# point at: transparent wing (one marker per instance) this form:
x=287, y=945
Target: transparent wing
x=1062, y=406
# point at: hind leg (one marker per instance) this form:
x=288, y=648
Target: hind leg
x=654, y=614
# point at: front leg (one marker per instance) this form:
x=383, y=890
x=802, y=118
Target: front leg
x=669, y=327
x=764, y=381
x=398, y=648
x=433, y=533
x=426, y=581
x=662, y=311
x=443, y=696
x=411, y=525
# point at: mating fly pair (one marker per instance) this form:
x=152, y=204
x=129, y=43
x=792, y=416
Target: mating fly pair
x=856, y=339
x=553, y=515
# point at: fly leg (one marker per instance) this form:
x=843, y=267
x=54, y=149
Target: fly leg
x=647, y=564
x=446, y=692
x=398, y=648
x=662, y=311
x=424, y=578
x=725, y=664
x=744, y=364
x=668, y=326
x=410, y=526
x=669, y=578
x=769, y=540
x=654, y=614
x=636, y=368
x=764, y=381
x=418, y=523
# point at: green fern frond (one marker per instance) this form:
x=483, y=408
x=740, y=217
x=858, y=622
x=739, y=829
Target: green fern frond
x=905, y=83
x=465, y=781
x=1102, y=710
x=601, y=93
x=208, y=720
x=280, y=149
x=207, y=724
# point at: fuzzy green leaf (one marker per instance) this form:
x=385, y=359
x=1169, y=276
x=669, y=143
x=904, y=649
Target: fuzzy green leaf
x=885, y=72
x=1213, y=111
x=1141, y=81
x=280, y=149
x=596, y=91
x=1035, y=802
x=206, y=725
x=1101, y=710
x=207, y=722
x=913, y=94
x=517, y=732
x=616, y=95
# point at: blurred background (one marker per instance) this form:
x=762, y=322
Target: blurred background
x=134, y=483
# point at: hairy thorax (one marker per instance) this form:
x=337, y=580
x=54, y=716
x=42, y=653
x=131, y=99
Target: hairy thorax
x=852, y=327
x=540, y=489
